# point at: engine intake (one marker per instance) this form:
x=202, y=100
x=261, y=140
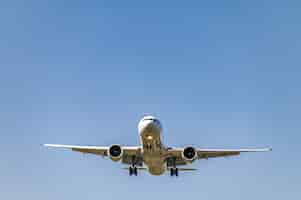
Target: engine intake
x=189, y=154
x=115, y=152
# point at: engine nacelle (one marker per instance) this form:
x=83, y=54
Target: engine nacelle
x=189, y=154
x=115, y=152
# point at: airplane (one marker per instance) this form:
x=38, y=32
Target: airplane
x=152, y=155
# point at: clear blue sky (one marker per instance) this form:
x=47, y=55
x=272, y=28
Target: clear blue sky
x=221, y=74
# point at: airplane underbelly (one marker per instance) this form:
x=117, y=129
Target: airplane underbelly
x=154, y=162
x=156, y=170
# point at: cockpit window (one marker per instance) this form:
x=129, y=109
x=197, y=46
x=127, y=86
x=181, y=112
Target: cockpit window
x=149, y=118
x=153, y=119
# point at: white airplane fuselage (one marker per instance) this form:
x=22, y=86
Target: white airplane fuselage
x=153, y=150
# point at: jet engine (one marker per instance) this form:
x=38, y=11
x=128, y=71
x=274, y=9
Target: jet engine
x=189, y=154
x=115, y=152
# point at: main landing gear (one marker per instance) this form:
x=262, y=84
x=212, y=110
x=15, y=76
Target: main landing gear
x=133, y=169
x=174, y=171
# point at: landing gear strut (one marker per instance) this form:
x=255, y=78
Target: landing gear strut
x=133, y=169
x=174, y=170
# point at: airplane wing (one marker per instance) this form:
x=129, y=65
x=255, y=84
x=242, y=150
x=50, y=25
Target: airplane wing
x=128, y=151
x=212, y=153
x=209, y=153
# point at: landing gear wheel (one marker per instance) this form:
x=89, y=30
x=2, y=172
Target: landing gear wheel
x=171, y=171
x=131, y=171
x=174, y=172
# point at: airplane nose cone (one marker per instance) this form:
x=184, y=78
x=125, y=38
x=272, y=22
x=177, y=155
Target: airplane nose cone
x=143, y=126
x=149, y=124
